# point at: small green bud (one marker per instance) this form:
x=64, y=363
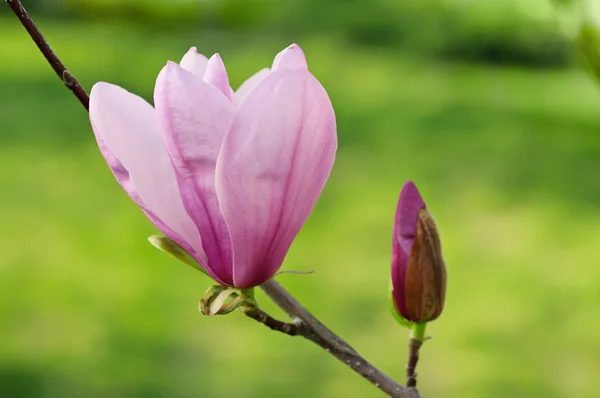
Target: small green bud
x=205, y=303
x=222, y=300
x=171, y=247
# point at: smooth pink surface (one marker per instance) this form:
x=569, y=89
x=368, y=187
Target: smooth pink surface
x=406, y=222
x=216, y=75
x=291, y=57
x=194, y=62
x=242, y=171
x=247, y=86
x=134, y=152
x=194, y=117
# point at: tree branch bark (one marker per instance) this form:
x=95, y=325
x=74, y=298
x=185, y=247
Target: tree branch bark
x=61, y=70
x=310, y=328
x=413, y=358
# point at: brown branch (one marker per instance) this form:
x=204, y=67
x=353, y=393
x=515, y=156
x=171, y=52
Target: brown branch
x=67, y=78
x=413, y=358
x=310, y=328
x=260, y=316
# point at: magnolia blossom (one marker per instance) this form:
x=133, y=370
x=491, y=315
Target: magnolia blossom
x=229, y=176
x=418, y=270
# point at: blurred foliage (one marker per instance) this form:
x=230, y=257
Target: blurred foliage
x=490, y=32
x=505, y=32
x=506, y=157
x=588, y=44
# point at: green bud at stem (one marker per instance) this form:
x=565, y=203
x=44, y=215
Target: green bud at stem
x=169, y=246
x=222, y=300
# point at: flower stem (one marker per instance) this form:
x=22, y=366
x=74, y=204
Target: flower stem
x=311, y=329
x=414, y=345
x=260, y=316
x=67, y=78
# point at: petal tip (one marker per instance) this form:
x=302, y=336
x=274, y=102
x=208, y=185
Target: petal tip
x=99, y=88
x=194, y=62
x=410, y=204
x=169, y=69
x=100, y=85
x=171, y=64
x=411, y=194
x=101, y=94
x=292, y=57
x=172, y=68
x=216, y=75
x=192, y=54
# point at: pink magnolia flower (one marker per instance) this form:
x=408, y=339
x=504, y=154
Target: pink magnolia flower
x=418, y=269
x=229, y=176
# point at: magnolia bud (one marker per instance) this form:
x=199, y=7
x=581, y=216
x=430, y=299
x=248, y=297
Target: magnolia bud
x=418, y=270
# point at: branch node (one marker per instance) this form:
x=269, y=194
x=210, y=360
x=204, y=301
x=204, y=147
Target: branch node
x=68, y=79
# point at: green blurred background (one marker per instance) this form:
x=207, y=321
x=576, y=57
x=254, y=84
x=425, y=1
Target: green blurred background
x=481, y=103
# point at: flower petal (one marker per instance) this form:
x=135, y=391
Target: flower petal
x=194, y=62
x=126, y=131
x=272, y=168
x=410, y=204
x=250, y=83
x=216, y=75
x=406, y=223
x=125, y=128
x=194, y=118
x=291, y=58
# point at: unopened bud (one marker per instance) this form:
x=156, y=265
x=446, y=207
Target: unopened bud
x=418, y=269
x=222, y=300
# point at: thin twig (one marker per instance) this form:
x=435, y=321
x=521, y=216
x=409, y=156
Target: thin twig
x=310, y=328
x=67, y=78
x=413, y=358
x=259, y=315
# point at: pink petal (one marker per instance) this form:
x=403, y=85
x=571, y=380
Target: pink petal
x=410, y=204
x=406, y=223
x=124, y=129
x=273, y=165
x=290, y=58
x=250, y=83
x=194, y=118
x=216, y=75
x=194, y=62
x=127, y=134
